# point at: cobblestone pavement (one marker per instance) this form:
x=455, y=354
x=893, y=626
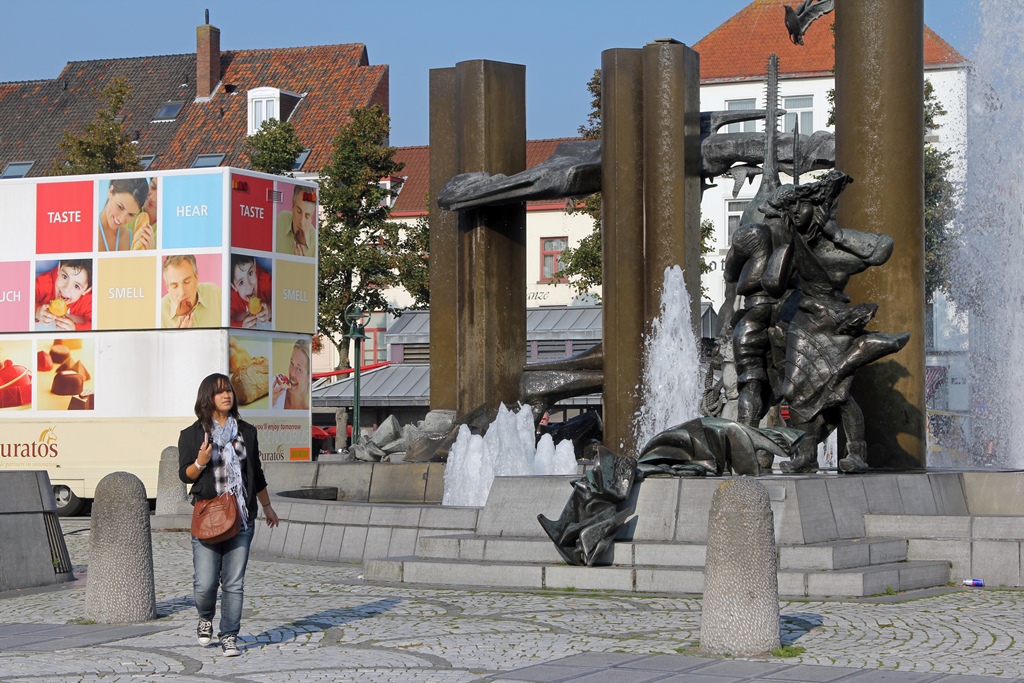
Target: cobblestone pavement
x=314, y=622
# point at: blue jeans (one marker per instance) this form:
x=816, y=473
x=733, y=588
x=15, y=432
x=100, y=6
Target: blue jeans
x=221, y=564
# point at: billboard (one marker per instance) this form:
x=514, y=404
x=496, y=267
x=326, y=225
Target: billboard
x=174, y=250
x=119, y=293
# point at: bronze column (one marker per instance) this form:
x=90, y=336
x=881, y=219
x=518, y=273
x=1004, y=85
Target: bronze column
x=622, y=234
x=490, y=104
x=879, y=142
x=443, y=241
x=671, y=116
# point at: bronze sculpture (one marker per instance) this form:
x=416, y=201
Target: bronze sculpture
x=797, y=338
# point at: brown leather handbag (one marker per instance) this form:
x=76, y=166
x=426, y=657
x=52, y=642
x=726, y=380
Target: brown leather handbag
x=217, y=519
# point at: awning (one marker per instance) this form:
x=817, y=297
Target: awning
x=934, y=376
x=320, y=433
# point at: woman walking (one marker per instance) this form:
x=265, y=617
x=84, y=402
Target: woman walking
x=219, y=453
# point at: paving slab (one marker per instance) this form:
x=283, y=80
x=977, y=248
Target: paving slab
x=307, y=621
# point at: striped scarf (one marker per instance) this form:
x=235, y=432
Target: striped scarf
x=228, y=454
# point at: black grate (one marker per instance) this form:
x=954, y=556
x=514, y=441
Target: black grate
x=58, y=549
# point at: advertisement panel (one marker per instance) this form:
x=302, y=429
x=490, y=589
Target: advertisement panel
x=172, y=250
x=119, y=293
x=271, y=376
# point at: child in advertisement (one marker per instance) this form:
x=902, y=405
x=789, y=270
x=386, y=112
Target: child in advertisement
x=125, y=199
x=251, y=293
x=64, y=295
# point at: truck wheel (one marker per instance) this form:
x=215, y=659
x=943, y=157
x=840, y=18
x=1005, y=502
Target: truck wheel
x=68, y=504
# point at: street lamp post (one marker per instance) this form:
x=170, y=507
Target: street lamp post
x=354, y=314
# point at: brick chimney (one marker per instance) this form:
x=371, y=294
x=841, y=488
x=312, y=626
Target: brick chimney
x=207, y=59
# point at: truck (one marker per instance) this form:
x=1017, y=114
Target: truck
x=119, y=293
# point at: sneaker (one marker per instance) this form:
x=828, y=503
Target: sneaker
x=204, y=632
x=229, y=646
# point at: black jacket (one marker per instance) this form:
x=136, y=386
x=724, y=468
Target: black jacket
x=204, y=488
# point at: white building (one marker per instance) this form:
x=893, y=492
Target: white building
x=733, y=68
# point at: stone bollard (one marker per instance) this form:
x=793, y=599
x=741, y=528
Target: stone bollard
x=172, y=494
x=741, y=584
x=120, y=586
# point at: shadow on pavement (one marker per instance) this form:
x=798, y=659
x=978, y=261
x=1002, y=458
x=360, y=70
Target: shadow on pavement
x=321, y=621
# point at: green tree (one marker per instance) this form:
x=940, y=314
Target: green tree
x=102, y=146
x=357, y=241
x=582, y=265
x=274, y=147
x=940, y=202
x=940, y=197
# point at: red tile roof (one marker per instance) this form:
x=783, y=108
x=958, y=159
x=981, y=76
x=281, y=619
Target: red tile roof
x=334, y=78
x=411, y=200
x=739, y=48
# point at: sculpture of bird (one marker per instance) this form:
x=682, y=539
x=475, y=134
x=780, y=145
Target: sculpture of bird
x=800, y=19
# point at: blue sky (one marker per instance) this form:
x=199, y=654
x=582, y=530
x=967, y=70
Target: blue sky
x=559, y=41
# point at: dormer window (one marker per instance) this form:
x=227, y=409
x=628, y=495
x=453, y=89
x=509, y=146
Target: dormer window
x=17, y=169
x=270, y=103
x=301, y=159
x=168, y=111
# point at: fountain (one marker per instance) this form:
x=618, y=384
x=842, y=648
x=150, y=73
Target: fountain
x=508, y=449
x=672, y=387
x=993, y=241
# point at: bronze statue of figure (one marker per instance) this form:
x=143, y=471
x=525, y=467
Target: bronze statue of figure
x=797, y=338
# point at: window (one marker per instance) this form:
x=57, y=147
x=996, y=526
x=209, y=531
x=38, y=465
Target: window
x=261, y=111
x=803, y=107
x=168, y=111
x=733, y=213
x=744, y=126
x=146, y=160
x=207, y=160
x=17, y=169
x=301, y=159
x=270, y=103
x=551, y=249
x=393, y=185
x=708, y=321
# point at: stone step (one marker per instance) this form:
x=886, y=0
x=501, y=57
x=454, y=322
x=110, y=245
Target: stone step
x=935, y=527
x=861, y=552
x=828, y=555
x=859, y=582
x=864, y=581
x=472, y=547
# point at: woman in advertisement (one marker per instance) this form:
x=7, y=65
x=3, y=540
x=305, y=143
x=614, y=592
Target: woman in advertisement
x=219, y=453
x=291, y=391
x=125, y=199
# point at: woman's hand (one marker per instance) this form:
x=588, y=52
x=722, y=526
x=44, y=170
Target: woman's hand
x=281, y=385
x=205, y=451
x=271, y=515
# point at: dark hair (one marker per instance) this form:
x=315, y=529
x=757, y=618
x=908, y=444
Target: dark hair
x=209, y=388
x=239, y=260
x=136, y=187
x=79, y=264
